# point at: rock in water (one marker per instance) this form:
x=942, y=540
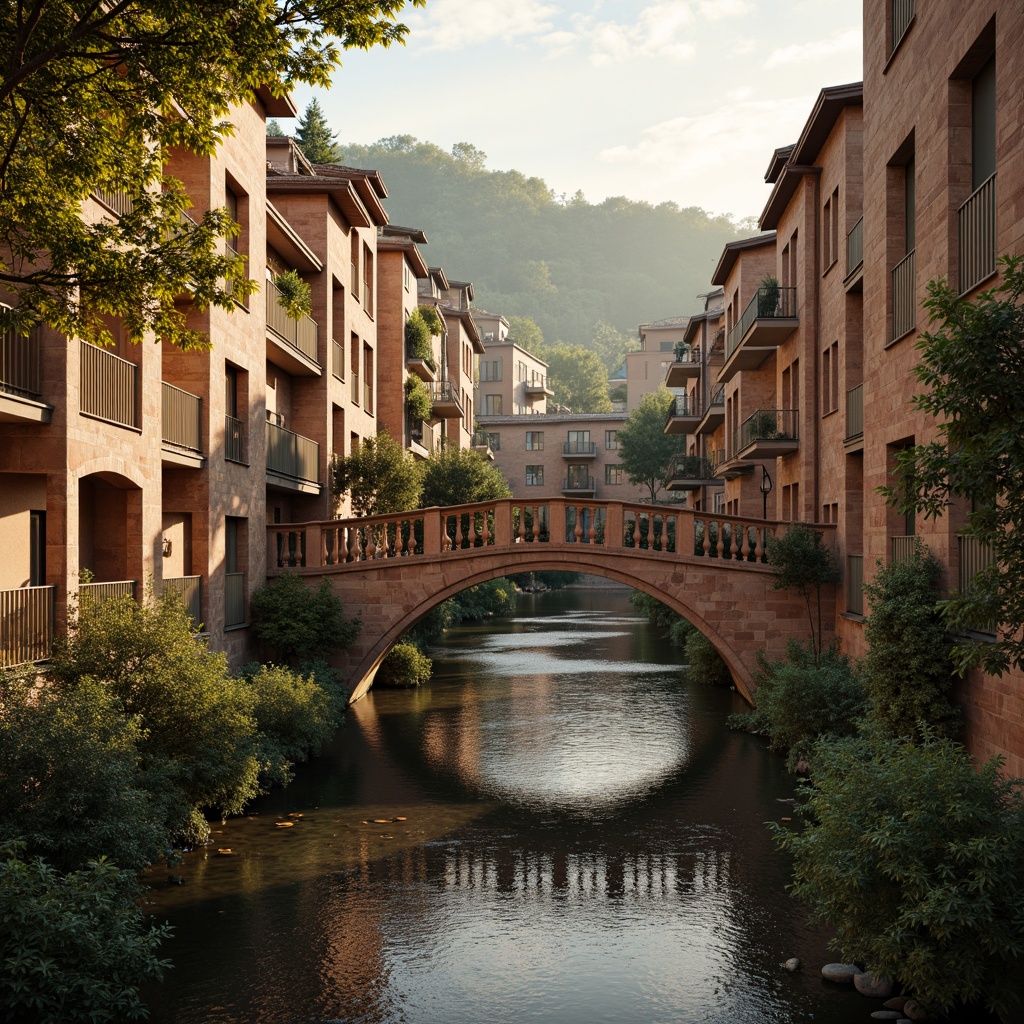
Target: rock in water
x=840, y=972
x=874, y=985
x=793, y=964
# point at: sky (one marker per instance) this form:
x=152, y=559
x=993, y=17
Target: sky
x=681, y=100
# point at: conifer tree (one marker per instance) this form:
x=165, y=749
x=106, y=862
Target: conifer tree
x=315, y=137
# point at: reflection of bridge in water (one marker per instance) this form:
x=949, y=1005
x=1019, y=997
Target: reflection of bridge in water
x=391, y=570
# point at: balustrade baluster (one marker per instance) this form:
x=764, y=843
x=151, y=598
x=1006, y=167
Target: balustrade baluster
x=592, y=532
x=706, y=543
x=485, y=531
x=758, y=543
x=280, y=549
x=371, y=548
x=720, y=546
x=577, y=531
x=536, y=523
x=291, y=549
x=745, y=546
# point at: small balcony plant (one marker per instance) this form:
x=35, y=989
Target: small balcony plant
x=768, y=296
x=417, y=399
x=293, y=295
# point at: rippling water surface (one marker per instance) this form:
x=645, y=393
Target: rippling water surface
x=557, y=829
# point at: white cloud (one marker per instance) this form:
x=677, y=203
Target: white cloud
x=819, y=49
x=458, y=24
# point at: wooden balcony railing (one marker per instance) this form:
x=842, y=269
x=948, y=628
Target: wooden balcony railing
x=182, y=418
x=904, y=304
x=234, y=599
x=109, y=387
x=190, y=590
x=292, y=455
x=21, y=364
x=234, y=440
x=976, y=244
x=26, y=625
x=300, y=334
x=855, y=584
x=855, y=412
x=855, y=247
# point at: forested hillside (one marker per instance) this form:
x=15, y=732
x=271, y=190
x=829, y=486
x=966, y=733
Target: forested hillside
x=562, y=261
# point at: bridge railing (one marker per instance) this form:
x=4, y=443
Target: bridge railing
x=438, y=532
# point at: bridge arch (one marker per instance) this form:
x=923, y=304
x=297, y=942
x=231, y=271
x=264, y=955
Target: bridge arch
x=391, y=570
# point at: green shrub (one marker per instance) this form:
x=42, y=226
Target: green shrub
x=417, y=336
x=801, y=698
x=913, y=855
x=908, y=670
x=417, y=399
x=704, y=664
x=680, y=631
x=404, y=665
x=432, y=319
x=294, y=295
x=296, y=621
x=74, y=947
x=658, y=615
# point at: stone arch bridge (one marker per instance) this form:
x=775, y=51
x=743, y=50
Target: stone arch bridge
x=391, y=570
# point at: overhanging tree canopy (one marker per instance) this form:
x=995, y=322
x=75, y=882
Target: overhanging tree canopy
x=92, y=96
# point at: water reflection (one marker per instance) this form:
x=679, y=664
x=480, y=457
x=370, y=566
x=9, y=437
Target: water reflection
x=574, y=844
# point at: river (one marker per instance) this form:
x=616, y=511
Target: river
x=558, y=829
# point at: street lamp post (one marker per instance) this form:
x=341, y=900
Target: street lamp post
x=766, y=489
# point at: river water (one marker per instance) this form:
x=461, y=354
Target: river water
x=558, y=829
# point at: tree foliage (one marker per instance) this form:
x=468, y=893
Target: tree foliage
x=380, y=477
x=803, y=563
x=577, y=377
x=314, y=136
x=525, y=333
x=704, y=665
x=907, y=668
x=611, y=345
x=404, y=665
x=972, y=369
x=912, y=854
x=454, y=476
x=645, y=450
x=95, y=96
x=299, y=622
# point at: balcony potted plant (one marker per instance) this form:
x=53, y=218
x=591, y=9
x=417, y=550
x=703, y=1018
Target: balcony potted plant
x=417, y=399
x=768, y=296
x=763, y=426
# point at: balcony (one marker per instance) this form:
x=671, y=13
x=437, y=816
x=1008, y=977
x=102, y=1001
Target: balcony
x=974, y=557
x=21, y=372
x=976, y=229
x=26, y=625
x=579, y=450
x=714, y=412
x=767, y=434
x=109, y=386
x=444, y=397
x=854, y=280
x=291, y=344
x=854, y=439
x=337, y=359
x=293, y=461
x=902, y=16
x=181, y=419
x=482, y=444
x=96, y=593
x=422, y=365
x=354, y=390
x=854, y=584
x=234, y=440
x=538, y=387
x=904, y=306
x=769, y=319
x=190, y=590
x=683, y=415
x=234, y=600
x=691, y=473
x=685, y=366
x=902, y=548
x=578, y=483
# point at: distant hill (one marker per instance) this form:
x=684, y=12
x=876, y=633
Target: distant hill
x=562, y=261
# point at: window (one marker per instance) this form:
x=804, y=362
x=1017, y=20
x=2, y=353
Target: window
x=830, y=379
x=830, y=230
x=494, y=441
x=355, y=349
x=355, y=266
x=901, y=14
x=578, y=478
x=492, y=405
x=611, y=440
x=37, y=548
x=666, y=346
x=367, y=279
x=578, y=442
x=490, y=369
x=535, y=440
x=613, y=474
x=534, y=476
x=521, y=371
x=901, y=208
x=235, y=404
x=368, y=378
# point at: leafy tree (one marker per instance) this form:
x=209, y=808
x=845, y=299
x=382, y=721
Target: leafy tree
x=803, y=697
x=907, y=669
x=404, y=665
x=525, y=333
x=297, y=621
x=645, y=450
x=657, y=614
x=94, y=96
x=912, y=854
x=454, y=476
x=380, y=477
x=74, y=947
x=803, y=563
x=611, y=345
x=971, y=366
x=577, y=378
x=315, y=137
x=471, y=158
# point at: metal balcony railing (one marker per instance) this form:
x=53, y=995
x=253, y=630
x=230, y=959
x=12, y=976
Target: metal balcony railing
x=234, y=599
x=181, y=418
x=855, y=584
x=234, y=440
x=684, y=406
x=772, y=302
x=578, y=483
x=96, y=593
x=976, y=243
x=902, y=16
x=300, y=334
x=855, y=247
x=691, y=467
x=684, y=353
x=190, y=590
x=292, y=455
x=904, y=306
x=26, y=625
x=769, y=425
x=855, y=411
x=974, y=556
x=109, y=386
x=717, y=396
x=444, y=392
x=903, y=548
x=337, y=359
x=579, y=448
x=21, y=364
x=354, y=389
x=118, y=202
